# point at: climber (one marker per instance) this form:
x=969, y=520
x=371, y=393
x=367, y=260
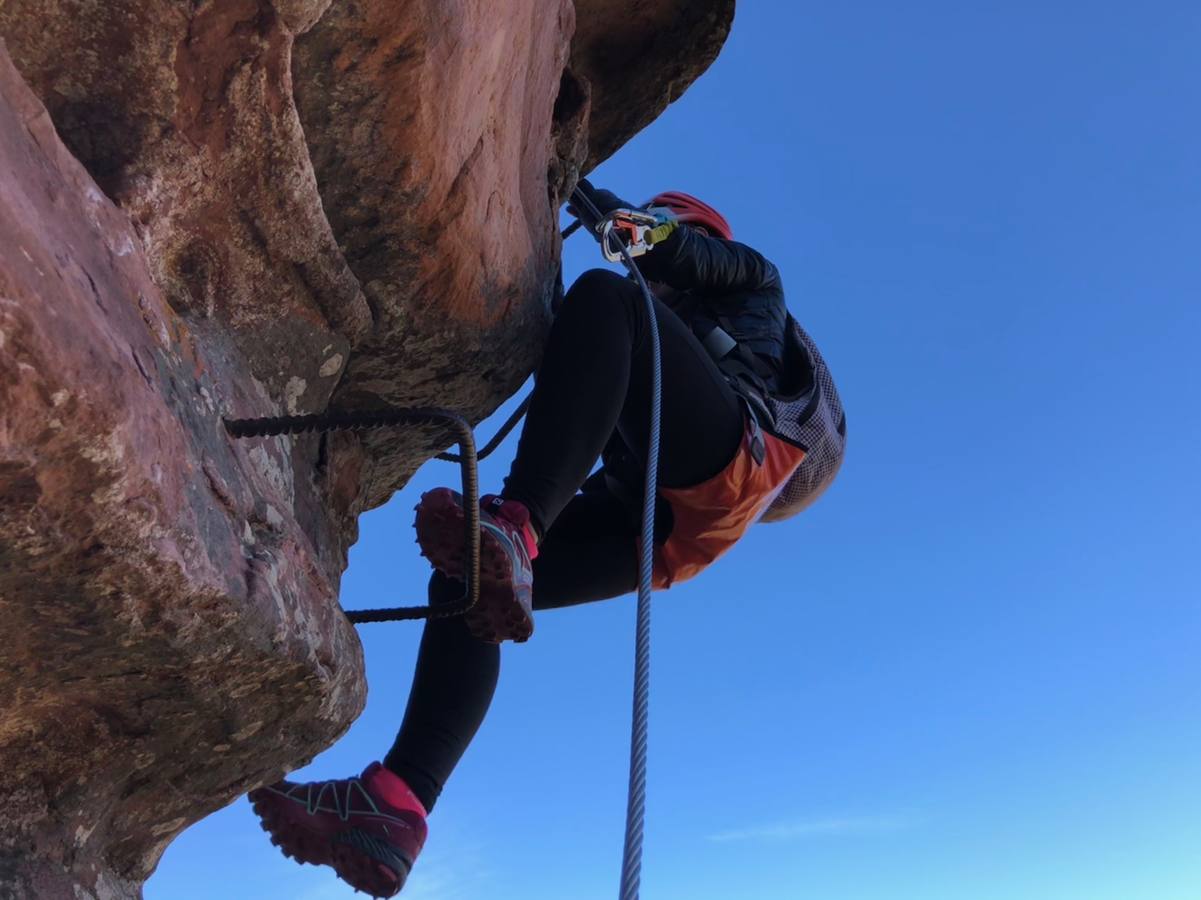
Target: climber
x=557, y=536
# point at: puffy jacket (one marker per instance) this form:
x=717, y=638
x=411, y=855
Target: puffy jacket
x=723, y=283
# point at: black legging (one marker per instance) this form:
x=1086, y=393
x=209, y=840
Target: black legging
x=594, y=380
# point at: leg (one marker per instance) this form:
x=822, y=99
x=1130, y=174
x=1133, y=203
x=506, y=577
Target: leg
x=452, y=690
x=701, y=420
x=589, y=555
x=595, y=378
x=593, y=383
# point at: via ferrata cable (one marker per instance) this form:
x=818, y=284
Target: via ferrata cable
x=631, y=862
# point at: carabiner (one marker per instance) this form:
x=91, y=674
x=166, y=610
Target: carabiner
x=630, y=226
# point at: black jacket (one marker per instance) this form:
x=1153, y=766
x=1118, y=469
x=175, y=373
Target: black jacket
x=723, y=283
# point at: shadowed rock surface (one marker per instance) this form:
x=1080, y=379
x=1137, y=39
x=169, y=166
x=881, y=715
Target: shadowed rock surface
x=640, y=57
x=248, y=208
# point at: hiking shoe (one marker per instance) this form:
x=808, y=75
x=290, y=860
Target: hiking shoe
x=369, y=829
x=504, y=611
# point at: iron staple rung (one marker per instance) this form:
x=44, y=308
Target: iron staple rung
x=277, y=425
x=347, y=421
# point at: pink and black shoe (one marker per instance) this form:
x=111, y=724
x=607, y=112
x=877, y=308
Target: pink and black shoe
x=504, y=611
x=369, y=829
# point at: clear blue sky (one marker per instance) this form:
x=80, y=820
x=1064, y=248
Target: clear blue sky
x=972, y=670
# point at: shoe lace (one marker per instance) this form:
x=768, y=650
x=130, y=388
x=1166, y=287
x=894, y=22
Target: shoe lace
x=341, y=801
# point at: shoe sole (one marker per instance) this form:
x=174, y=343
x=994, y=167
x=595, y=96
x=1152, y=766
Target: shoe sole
x=368, y=864
x=293, y=840
x=364, y=862
x=498, y=614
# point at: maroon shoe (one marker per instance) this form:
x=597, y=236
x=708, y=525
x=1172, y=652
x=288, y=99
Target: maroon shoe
x=504, y=611
x=369, y=829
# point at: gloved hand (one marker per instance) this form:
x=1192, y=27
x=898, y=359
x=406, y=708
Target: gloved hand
x=604, y=201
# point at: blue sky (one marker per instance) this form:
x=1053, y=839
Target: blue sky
x=971, y=670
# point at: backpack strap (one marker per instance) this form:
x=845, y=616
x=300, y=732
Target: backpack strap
x=732, y=357
x=719, y=343
x=746, y=372
x=755, y=438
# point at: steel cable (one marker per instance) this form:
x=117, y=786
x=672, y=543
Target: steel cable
x=631, y=860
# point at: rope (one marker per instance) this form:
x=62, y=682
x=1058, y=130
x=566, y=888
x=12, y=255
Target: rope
x=631, y=860
x=501, y=434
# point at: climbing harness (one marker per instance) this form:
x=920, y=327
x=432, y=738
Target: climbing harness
x=623, y=234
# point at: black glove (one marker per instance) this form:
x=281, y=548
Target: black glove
x=604, y=201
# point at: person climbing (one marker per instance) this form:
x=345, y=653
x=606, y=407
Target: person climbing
x=558, y=536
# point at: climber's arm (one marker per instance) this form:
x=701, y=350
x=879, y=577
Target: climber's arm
x=688, y=260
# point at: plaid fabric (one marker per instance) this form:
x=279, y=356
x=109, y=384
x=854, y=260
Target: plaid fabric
x=813, y=421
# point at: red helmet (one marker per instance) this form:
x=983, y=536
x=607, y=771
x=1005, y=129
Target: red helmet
x=692, y=211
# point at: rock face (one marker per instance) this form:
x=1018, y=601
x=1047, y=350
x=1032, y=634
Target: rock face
x=247, y=208
x=163, y=611
x=639, y=57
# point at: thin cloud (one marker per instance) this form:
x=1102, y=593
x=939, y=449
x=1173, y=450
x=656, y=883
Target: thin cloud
x=450, y=870
x=844, y=826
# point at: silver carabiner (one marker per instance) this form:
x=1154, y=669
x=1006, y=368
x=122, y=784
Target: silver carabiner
x=631, y=224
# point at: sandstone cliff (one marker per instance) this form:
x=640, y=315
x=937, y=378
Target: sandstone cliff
x=248, y=208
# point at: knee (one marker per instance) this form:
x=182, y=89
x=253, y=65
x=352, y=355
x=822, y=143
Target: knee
x=598, y=285
x=599, y=292
x=599, y=280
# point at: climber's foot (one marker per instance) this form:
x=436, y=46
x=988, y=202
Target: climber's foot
x=504, y=610
x=369, y=829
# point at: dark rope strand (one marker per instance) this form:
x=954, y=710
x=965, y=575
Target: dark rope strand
x=497, y=438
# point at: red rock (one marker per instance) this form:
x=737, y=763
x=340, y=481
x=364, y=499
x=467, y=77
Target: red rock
x=639, y=57
x=157, y=595
x=249, y=208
